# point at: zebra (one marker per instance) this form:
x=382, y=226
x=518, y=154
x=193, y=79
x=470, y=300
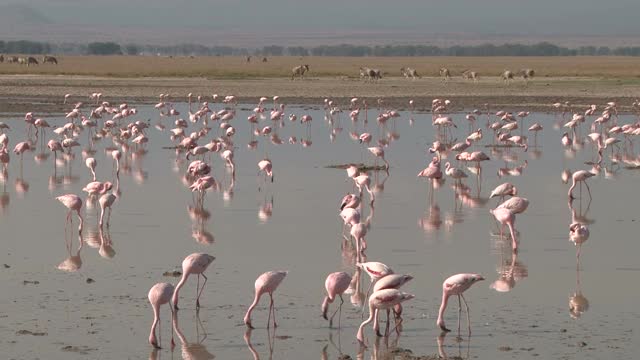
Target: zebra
x=22, y=61
x=527, y=74
x=409, y=73
x=299, y=71
x=469, y=74
x=506, y=76
x=445, y=74
x=370, y=74
x=49, y=59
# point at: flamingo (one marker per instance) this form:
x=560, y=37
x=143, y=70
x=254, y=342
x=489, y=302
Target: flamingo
x=116, y=154
x=195, y=263
x=580, y=176
x=350, y=201
x=91, y=164
x=73, y=203
x=335, y=284
x=266, y=283
x=159, y=294
x=378, y=152
x=516, y=204
x=375, y=270
x=383, y=299
x=105, y=201
x=266, y=166
x=506, y=217
x=456, y=285
x=97, y=187
x=392, y=281
x=503, y=190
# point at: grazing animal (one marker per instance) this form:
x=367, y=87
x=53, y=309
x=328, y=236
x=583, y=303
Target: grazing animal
x=470, y=75
x=445, y=74
x=1, y=58
x=31, y=61
x=49, y=59
x=507, y=75
x=409, y=73
x=370, y=74
x=527, y=74
x=299, y=71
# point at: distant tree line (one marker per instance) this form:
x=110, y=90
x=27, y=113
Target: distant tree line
x=112, y=48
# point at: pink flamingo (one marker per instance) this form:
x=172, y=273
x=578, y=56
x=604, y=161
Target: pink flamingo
x=506, y=217
x=350, y=201
x=265, y=283
x=359, y=231
x=503, y=190
x=456, y=285
x=105, y=201
x=516, y=204
x=159, y=294
x=335, y=284
x=383, y=299
x=73, y=203
x=266, y=166
x=580, y=176
x=195, y=263
x=375, y=270
x=432, y=172
x=392, y=281
x=117, y=155
x=378, y=152
x=91, y=164
x=54, y=146
x=97, y=188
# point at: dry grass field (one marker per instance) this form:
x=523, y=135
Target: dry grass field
x=221, y=67
x=580, y=80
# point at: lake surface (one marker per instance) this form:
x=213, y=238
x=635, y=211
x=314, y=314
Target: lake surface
x=293, y=224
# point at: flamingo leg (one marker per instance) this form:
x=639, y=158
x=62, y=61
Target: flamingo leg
x=459, y=313
x=468, y=316
x=201, y=289
x=589, y=190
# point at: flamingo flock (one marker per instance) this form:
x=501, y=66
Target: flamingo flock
x=208, y=132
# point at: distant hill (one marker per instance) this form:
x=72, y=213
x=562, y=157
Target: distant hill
x=18, y=14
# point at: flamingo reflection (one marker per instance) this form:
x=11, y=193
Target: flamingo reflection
x=192, y=350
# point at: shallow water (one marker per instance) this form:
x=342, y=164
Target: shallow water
x=293, y=224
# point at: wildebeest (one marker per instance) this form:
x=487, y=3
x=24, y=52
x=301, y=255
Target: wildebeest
x=409, y=73
x=31, y=61
x=469, y=74
x=49, y=59
x=1, y=58
x=264, y=59
x=12, y=59
x=299, y=71
x=506, y=76
x=370, y=74
x=527, y=74
x=445, y=74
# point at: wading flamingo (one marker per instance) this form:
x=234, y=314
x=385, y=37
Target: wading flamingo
x=159, y=294
x=381, y=300
x=335, y=284
x=456, y=285
x=265, y=283
x=195, y=263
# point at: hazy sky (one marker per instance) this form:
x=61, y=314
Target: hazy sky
x=592, y=17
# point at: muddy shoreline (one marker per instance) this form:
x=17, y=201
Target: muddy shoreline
x=45, y=94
